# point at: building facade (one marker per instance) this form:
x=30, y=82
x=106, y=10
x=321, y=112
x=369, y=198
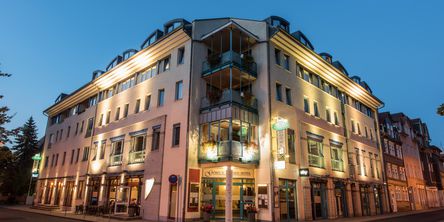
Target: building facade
x=227, y=113
x=395, y=171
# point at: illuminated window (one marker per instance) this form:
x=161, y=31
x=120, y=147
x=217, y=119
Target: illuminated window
x=337, y=163
x=315, y=153
x=291, y=146
x=278, y=92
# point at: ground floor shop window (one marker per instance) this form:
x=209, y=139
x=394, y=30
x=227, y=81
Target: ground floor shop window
x=69, y=191
x=243, y=195
x=365, y=200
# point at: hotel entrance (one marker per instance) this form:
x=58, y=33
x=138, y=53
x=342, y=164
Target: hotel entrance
x=214, y=192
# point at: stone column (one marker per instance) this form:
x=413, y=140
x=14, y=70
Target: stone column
x=356, y=200
x=331, y=199
x=349, y=198
x=307, y=198
x=228, y=192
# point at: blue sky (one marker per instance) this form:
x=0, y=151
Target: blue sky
x=53, y=46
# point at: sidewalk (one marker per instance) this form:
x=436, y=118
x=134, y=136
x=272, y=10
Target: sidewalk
x=384, y=216
x=62, y=214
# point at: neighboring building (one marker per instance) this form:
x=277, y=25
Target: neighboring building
x=395, y=172
x=243, y=112
x=441, y=170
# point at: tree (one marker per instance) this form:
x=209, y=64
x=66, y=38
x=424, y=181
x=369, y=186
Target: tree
x=440, y=110
x=25, y=146
x=4, y=118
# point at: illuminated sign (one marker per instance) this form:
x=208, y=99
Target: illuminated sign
x=149, y=183
x=35, y=175
x=37, y=157
x=280, y=124
x=304, y=172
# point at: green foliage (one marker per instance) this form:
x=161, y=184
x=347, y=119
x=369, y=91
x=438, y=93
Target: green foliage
x=440, y=110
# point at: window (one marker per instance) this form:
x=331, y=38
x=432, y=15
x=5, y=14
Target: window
x=364, y=165
x=287, y=62
x=78, y=155
x=161, y=97
x=288, y=96
x=108, y=116
x=50, y=140
x=138, y=143
x=179, y=89
x=180, y=55
x=137, y=107
x=89, y=127
x=336, y=118
x=125, y=110
x=395, y=171
x=315, y=108
x=372, y=170
x=176, y=134
x=359, y=128
x=315, y=153
x=56, y=160
x=102, y=149
x=277, y=56
x=291, y=146
x=80, y=192
x=353, y=126
x=376, y=165
x=165, y=64
x=389, y=170
x=64, y=158
x=81, y=126
x=117, y=117
x=358, y=161
x=147, y=102
x=306, y=105
x=61, y=134
x=327, y=115
x=336, y=157
x=116, y=152
x=77, y=128
x=95, y=151
x=306, y=75
x=68, y=132
x=46, y=161
x=101, y=120
x=57, y=136
x=52, y=160
x=85, y=153
x=366, y=131
x=402, y=173
x=72, y=156
x=278, y=92
x=156, y=138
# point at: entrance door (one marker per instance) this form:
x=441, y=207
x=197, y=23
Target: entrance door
x=365, y=200
x=319, y=200
x=287, y=200
x=58, y=193
x=122, y=200
x=341, y=202
x=173, y=202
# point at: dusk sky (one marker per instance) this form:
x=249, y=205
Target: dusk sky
x=50, y=47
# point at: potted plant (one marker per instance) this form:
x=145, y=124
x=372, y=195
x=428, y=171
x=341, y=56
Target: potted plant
x=251, y=212
x=207, y=209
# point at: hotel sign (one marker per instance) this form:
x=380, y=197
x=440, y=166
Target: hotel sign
x=220, y=172
x=304, y=172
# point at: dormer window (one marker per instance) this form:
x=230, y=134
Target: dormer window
x=173, y=25
x=153, y=37
x=114, y=62
x=128, y=53
x=97, y=73
x=278, y=22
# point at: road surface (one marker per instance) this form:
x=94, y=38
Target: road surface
x=434, y=216
x=18, y=216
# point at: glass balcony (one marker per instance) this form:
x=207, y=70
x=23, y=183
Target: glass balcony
x=217, y=62
x=216, y=99
x=229, y=151
x=137, y=156
x=115, y=160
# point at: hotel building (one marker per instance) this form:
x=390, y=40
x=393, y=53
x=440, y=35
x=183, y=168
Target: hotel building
x=225, y=112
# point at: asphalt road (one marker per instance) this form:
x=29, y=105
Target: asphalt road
x=433, y=216
x=18, y=216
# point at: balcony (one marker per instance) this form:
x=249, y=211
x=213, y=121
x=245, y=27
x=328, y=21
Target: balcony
x=218, y=62
x=229, y=151
x=136, y=157
x=215, y=99
x=115, y=160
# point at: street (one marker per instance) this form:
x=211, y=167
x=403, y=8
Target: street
x=15, y=215
x=433, y=216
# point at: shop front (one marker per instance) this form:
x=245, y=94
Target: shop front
x=340, y=199
x=319, y=199
x=287, y=200
x=123, y=196
x=216, y=191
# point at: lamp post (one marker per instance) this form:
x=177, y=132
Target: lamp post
x=34, y=173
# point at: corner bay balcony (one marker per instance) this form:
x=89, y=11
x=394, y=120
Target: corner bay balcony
x=229, y=140
x=218, y=62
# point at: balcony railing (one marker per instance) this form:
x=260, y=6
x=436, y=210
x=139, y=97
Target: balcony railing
x=137, y=156
x=315, y=161
x=225, y=98
x=229, y=151
x=337, y=165
x=219, y=61
x=115, y=160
